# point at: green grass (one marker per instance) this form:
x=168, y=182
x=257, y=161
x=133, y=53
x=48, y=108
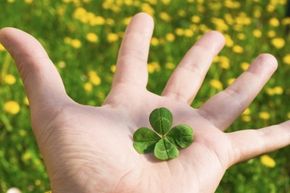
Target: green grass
x=53, y=22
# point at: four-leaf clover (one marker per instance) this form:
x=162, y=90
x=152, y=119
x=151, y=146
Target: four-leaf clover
x=164, y=141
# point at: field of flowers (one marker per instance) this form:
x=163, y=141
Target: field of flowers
x=82, y=37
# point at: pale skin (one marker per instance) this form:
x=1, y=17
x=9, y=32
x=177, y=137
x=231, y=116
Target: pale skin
x=88, y=149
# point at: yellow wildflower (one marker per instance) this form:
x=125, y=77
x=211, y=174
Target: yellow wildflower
x=286, y=59
x=195, y=19
x=153, y=67
x=170, y=37
x=113, y=68
x=188, y=33
x=247, y=111
x=257, y=33
x=271, y=33
x=238, y=49
x=92, y=37
x=1, y=47
x=165, y=16
x=75, y=43
x=179, y=31
x=165, y=2
x=127, y=20
x=94, y=78
x=278, y=90
x=286, y=21
x=241, y=36
x=9, y=79
x=230, y=81
x=169, y=65
x=288, y=115
x=11, y=107
x=28, y=1
x=245, y=66
x=112, y=37
x=278, y=42
x=88, y=87
x=274, y=22
x=264, y=115
x=224, y=62
x=181, y=12
x=267, y=161
x=220, y=24
x=26, y=101
x=154, y=41
x=216, y=84
x=229, y=41
x=147, y=8
x=246, y=118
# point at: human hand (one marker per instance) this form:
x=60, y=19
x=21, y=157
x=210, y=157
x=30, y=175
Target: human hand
x=89, y=149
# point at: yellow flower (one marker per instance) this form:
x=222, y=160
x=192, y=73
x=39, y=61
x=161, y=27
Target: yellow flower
x=278, y=42
x=92, y=37
x=271, y=33
x=267, y=161
x=241, y=36
x=245, y=66
x=112, y=37
x=274, y=22
x=229, y=41
x=224, y=62
x=165, y=16
x=154, y=41
x=247, y=111
x=216, y=84
x=188, y=33
x=110, y=21
x=220, y=24
x=264, y=115
x=88, y=87
x=230, y=81
x=179, y=31
x=94, y=78
x=147, y=8
x=127, y=20
x=246, y=118
x=257, y=33
x=286, y=59
x=169, y=65
x=238, y=49
x=26, y=101
x=28, y=1
x=153, y=67
x=195, y=19
x=286, y=21
x=278, y=90
x=11, y=107
x=170, y=37
x=113, y=68
x=75, y=43
x=288, y=115
x=9, y=79
x=1, y=47
x=165, y=2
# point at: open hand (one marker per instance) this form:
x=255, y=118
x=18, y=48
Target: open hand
x=89, y=149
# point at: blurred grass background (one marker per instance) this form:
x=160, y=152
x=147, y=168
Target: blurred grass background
x=83, y=36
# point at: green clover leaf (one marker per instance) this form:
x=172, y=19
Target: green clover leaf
x=145, y=140
x=181, y=135
x=163, y=141
x=161, y=120
x=165, y=150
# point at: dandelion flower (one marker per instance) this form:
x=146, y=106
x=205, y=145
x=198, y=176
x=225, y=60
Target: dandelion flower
x=264, y=115
x=92, y=37
x=11, y=107
x=286, y=59
x=9, y=79
x=112, y=37
x=216, y=84
x=278, y=42
x=170, y=37
x=267, y=161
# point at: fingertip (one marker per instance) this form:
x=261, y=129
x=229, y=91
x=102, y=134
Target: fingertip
x=265, y=62
x=145, y=17
x=212, y=40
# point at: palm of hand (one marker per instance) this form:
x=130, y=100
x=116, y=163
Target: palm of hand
x=89, y=149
